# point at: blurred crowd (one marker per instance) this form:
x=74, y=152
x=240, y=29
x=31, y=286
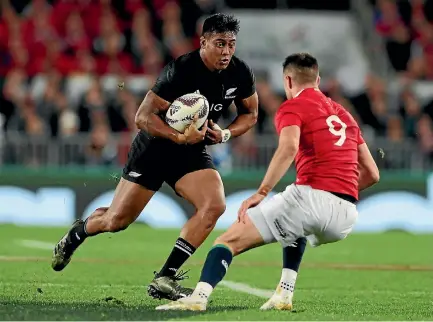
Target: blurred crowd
x=61, y=61
x=407, y=30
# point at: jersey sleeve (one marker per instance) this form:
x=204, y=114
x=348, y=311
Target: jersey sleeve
x=286, y=116
x=168, y=82
x=248, y=81
x=360, y=138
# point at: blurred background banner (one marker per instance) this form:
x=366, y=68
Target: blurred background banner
x=57, y=198
x=266, y=38
x=66, y=126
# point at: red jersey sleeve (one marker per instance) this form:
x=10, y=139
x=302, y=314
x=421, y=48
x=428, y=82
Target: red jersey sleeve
x=360, y=138
x=286, y=116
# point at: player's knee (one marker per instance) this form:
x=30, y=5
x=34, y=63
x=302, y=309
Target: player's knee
x=231, y=241
x=216, y=209
x=117, y=222
x=213, y=211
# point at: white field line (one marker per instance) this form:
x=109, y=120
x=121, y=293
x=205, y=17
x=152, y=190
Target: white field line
x=234, y=286
x=245, y=288
x=248, y=289
x=36, y=244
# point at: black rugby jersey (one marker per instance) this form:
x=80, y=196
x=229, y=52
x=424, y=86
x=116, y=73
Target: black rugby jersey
x=189, y=74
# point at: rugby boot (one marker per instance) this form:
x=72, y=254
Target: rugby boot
x=167, y=287
x=64, y=249
x=189, y=303
x=279, y=301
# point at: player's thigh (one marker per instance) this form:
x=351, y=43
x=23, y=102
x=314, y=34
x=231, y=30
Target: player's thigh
x=203, y=189
x=341, y=224
x=145, y=165
x=128, y=202
x=196, y=180
x=283, y=215
x=241, y=237
x=336, y=218
x=142, y=177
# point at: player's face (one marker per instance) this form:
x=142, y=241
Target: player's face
x=219, y=49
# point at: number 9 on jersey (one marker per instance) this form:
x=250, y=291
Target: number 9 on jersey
x=341, y=133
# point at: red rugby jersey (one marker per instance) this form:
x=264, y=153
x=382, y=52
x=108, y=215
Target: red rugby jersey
x=328, y=149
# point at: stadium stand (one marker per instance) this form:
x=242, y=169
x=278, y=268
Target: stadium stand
x=61, y=62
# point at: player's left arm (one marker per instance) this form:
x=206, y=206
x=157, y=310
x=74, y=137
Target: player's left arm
x=248, y=111
x=247, y=105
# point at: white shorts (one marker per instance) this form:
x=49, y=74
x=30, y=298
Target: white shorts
x=301, y=211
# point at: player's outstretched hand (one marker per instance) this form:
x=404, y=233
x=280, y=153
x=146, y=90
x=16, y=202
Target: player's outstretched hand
x=252, y=201
x=194, y=135
x=214, y=133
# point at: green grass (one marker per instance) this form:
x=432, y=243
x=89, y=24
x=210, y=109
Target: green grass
x=366, y=277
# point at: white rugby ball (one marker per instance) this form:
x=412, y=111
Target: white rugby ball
x=181, y=112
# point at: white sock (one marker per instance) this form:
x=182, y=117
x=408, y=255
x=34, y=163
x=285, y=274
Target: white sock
x=203, y=291
x=286, y=286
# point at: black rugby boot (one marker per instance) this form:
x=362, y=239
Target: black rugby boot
x=167, y=287
x=65, y=248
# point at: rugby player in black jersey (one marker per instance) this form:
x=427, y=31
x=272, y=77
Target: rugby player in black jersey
x=161, y=154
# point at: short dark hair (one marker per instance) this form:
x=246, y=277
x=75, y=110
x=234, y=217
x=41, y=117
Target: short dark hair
x=220, y=23
x=304, y=65
x=301, y=60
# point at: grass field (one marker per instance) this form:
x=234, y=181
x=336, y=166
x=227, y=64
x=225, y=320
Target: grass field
x=366, y=277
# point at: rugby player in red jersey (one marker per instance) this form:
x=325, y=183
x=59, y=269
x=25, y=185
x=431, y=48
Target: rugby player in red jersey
x=333, y=163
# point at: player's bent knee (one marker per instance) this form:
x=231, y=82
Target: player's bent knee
x=212, y=212
x=232, y=241
x=216, y=209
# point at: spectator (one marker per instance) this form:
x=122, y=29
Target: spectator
x=410, y=110
x=99, y=151
x=64, y=121
x=172, y=30
x=92, y=108
x=425, y=136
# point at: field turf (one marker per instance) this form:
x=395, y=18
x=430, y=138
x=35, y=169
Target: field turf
x=366, y=277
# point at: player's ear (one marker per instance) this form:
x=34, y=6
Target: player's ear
x=202, y=42
x=289, y=81
x=318, y=81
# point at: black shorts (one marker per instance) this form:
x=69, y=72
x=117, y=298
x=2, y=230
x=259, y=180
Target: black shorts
x=153, y=161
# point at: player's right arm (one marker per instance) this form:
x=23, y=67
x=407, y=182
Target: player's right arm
x=156, y=103
x=368, y=170
x=148, y=119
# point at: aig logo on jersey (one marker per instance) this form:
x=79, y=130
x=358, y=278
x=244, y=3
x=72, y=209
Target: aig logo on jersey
x=216, y=107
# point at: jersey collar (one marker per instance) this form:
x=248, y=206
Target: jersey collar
x=299, y=93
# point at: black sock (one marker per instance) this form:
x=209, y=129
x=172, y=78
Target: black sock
x=217, y=263
x=78, y=234
x=292, y=255
x=181, y=252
